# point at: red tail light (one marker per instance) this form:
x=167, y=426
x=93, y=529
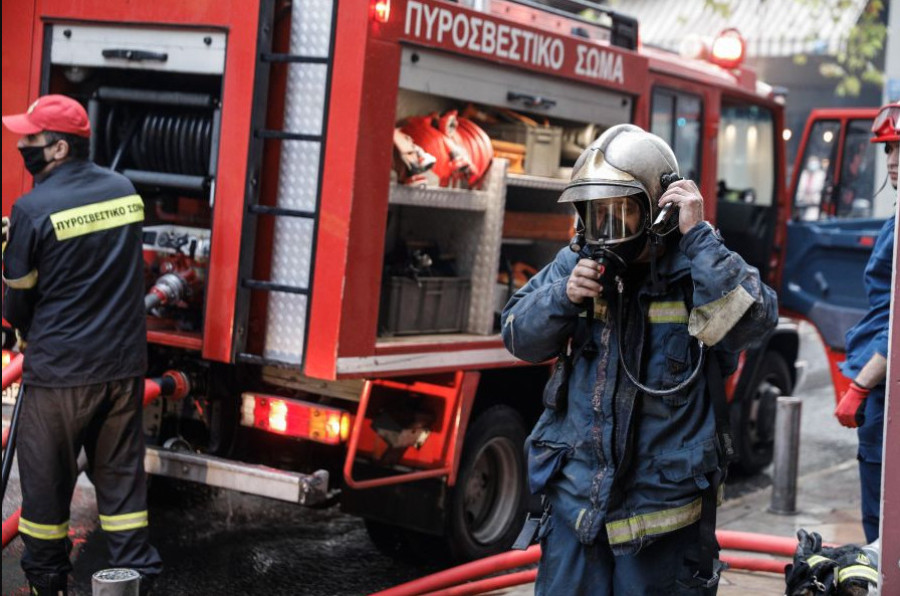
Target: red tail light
x=295, y=418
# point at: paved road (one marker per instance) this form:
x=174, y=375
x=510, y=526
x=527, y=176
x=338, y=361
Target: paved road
x=222, y=542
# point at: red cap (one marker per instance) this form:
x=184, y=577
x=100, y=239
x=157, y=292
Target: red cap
x=886, y=124
x=56, y=113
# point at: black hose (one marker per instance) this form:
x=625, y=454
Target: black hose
x=650, y=390
x=10, y=452
x=160, y=140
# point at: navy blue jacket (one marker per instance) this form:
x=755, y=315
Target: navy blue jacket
x=616, y=463
x=870, y=337
x=74, y=274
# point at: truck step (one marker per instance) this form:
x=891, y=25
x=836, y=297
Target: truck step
x=305, y=489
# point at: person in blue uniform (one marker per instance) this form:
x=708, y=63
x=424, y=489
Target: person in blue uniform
x=73, y=273
x=862, y=404
x=644, y=309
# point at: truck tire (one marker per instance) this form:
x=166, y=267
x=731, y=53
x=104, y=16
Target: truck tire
x=753, y=419
x=487, y=504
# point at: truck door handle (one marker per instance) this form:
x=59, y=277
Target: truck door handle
x=823, y=285
x=134, y=55
x=531, y=101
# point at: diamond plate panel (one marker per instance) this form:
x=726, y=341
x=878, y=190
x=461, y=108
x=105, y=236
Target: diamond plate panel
x=292, y=251
x=311, y=27
x=286, y=327
x=486, y=260
x=298, y=178
x=304, y=104
x=473, y=238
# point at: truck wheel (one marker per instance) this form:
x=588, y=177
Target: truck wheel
x=487, y=505
x=753, y=420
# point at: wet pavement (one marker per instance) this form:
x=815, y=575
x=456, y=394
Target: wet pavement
x=222, y=542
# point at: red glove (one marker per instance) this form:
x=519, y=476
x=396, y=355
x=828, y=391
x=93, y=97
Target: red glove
x=849, y=411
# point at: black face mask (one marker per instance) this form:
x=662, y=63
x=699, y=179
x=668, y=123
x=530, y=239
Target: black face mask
x=35, y=162
x=630, y=250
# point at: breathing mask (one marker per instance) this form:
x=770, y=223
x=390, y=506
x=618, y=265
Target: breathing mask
x=614, y=227
x=615, y=190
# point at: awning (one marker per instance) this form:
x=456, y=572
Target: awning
x=770, y=27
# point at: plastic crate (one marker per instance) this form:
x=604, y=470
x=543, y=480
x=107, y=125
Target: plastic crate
x=426, y=305
x=543, y=145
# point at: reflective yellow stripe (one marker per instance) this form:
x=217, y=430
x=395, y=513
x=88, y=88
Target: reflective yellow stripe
x=858, y=572
x=95, y=217
x=651, y=524
x=26, y=282
x=126, y=521
x=43, y=531
x=814, y=560
x=668, y=312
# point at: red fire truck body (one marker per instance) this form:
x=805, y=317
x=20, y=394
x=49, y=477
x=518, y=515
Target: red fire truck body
x=260, y=137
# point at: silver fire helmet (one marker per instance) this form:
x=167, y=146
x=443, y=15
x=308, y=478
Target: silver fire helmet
x=626, y=160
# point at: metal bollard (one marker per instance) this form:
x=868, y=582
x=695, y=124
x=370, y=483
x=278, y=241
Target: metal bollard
x=116, y=582
x=787, y=451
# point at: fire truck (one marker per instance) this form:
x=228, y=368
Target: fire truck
x=325, y=329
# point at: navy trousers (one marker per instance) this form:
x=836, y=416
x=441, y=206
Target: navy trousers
x=663, y=568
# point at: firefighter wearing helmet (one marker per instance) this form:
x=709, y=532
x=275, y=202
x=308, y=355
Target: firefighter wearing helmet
x=646, y=312
x=862, y=404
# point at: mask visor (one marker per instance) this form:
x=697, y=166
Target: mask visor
x=613, y=220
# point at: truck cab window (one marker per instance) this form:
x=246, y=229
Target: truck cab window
x=816, y=177
x=746, y=161
x=855, y=192
x=745, y=210
x=676, y=118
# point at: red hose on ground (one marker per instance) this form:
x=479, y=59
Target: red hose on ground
x=11, y=527
x=457, y=577
x=523, y=577
x=463, y=573
x=760, y=543
x=490, y=584
x=13, y=370
x=755, y=564
x=5, y=436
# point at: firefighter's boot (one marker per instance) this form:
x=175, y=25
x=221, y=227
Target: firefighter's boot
x=50, y=584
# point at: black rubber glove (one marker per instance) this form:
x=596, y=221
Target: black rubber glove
x=811, y=572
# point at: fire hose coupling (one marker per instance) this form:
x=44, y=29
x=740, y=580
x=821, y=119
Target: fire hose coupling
x=168, y=289
x=175, y=384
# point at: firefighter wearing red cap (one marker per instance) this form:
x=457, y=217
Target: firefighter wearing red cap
x=862, y=405
x=74, y=291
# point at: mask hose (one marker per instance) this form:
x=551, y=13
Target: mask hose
x=620, y=287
